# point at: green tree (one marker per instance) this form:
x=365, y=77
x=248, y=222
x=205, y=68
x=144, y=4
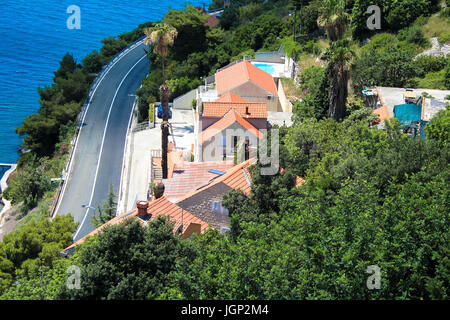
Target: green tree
x=107, y=210
x=392, y=68
x=66, y=67
x=190, y=24
x=439, y=128
x=127, y=261
x=333, y=18
x=29, y=185
x=36, y=244
x=93, y=63
x=163, y=36
x=339, y=57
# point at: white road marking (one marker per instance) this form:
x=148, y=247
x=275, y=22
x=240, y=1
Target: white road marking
x=103, y=140
x=79, y=132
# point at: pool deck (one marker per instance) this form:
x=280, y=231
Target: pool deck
x=279, y=69
x=394, y=96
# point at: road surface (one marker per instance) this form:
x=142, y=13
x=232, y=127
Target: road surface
x=98, y=155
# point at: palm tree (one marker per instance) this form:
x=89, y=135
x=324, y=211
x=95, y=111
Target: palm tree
x=339, y=57
x=333, y=18
x=162, y=36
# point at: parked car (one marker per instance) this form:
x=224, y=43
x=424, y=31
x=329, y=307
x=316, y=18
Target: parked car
x=160, y=112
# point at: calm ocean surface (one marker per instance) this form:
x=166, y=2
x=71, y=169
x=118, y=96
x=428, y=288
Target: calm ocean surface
x=34, y=37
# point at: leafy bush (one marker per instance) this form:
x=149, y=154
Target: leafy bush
x=93, y=62
x=36, y=244
x=444, y=38
x=413, y=35
x=393, y=68
x=381, y=42
x=433, y=80
x=431, y=64
x=111, y=47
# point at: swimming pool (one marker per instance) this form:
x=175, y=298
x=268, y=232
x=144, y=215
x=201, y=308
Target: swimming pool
x=270, y=69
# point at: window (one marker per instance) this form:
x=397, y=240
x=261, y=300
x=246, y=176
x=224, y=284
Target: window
x=218, y=208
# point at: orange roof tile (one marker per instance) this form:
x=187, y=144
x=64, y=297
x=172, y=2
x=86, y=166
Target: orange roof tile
x=237, y=178
x=188, y=176
x=230, y=97
x=156, y=208
x=231, y=117
x=212, y=22
x=240, y=73
x=383, y=113
x=219, y=109
x=299, y=181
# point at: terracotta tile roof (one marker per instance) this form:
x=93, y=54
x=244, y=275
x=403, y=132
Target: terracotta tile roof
x=231, y=117
x=240, y=73
x=156, y=208
x=219, y=109
x=383, y=113
x=299, y=181
x=238, y=178
x=188, y=176
x=229, y=97
x=212, y=22
x=163, y=207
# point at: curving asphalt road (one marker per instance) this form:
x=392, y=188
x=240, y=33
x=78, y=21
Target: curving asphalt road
x=98, y=155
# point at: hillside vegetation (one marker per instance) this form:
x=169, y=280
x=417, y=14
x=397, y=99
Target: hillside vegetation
x=371, y=196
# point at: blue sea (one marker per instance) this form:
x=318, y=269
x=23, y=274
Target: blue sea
x=34, y=37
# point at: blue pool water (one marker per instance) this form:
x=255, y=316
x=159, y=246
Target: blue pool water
x=265, y=67
x=34, y=37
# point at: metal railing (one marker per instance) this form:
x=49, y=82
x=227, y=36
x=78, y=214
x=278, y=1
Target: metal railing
x=144, y=126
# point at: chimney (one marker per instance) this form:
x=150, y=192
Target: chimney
x=159, y=190
x=142, y=207
x=246, y=111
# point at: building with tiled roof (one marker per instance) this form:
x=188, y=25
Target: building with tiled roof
x=227, y=137
x=206, y=202
x=254, y=112
x=250, y=83
x=185, y=223
x=230, y=97
x=188, y=176
x=212, y=22
x=249, y=110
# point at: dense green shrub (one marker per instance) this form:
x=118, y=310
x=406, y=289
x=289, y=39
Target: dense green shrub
x=393, y=68
x=93, y=62
x=395, y=14
x=444, y=38
x=430, y=63
x=111, y=47
x=413, y=35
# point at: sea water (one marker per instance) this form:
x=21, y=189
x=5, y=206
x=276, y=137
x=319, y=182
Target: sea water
x=34, y=36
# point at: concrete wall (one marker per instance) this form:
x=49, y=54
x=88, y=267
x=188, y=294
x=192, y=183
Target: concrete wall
x=185, y=101
x=286, y=105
